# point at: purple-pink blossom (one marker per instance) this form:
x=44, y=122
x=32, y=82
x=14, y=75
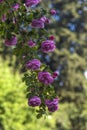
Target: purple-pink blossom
x=52, y=11
x=3, y=19
x=45, y=19
x=31, y=44
x=52, y=104
x=55, y=74
x=48, y=46
x=33, y=64
x=45, y=78
x=16, y=6
x=34, y=101
x=30, y=3
x=11, y=42
x=1, y=1
x=37, y=23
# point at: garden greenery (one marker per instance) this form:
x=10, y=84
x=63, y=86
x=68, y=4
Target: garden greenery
x=24, y=29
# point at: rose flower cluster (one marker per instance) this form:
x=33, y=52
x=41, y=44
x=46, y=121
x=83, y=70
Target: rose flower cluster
x=43, y=77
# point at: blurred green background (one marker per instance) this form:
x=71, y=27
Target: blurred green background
x=70, y=59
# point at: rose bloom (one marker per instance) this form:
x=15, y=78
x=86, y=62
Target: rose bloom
x=37, y=23
x=31, y=44
x=33, y=64
x=45, y=77
x=53, y=11
x=48, y=46
x=11, y=42
x=52, y=104
x=34, y=101
x=30, y=3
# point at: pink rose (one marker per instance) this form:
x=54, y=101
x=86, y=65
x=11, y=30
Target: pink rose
x=37, y=23
x=11, y=42
x=34, y=101
x=48, y=46
x=52, y=104
x=33, y=64
x=45, y=77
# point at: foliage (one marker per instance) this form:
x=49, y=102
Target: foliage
x=14, y=113
x=23, y=29
x=70, y=59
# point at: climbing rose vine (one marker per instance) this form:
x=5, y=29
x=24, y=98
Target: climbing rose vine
x=23, y=26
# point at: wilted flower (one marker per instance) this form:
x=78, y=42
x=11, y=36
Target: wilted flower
x=33, y=64
x=45, y=77
x=34, y=101
x=48, y=46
